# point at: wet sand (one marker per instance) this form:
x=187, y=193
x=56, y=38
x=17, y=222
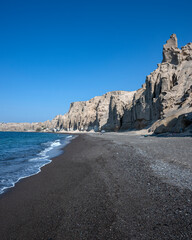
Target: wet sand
x=111, y=186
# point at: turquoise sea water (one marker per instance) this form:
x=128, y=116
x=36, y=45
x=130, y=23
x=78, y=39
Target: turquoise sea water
x=23, y=154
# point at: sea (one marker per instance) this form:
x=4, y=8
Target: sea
x=23, y=154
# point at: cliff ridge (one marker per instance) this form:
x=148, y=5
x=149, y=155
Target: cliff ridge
x=163, y=104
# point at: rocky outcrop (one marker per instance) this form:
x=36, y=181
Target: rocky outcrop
x=25, y=127
x=171, y=50
x=164, y=102
x=166, y=95
x=100, y=113
x=20, y=127
x=175, y=123
x=167, y=91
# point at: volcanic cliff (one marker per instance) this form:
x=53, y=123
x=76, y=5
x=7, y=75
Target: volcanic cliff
x=163, y=104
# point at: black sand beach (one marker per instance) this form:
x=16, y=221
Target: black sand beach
x=111, y=186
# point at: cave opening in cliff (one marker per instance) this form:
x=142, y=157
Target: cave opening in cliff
x=121, y=122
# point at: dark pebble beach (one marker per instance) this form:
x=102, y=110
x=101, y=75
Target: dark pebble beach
x=110, y=186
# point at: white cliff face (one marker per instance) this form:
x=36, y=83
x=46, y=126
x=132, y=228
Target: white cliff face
x=164, y=102
x=101, y=112
x=167, y=92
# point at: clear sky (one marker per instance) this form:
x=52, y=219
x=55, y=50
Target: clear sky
x=56, y=52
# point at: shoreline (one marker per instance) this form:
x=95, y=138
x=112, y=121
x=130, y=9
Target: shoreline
x=59, y=152
x=102, y=187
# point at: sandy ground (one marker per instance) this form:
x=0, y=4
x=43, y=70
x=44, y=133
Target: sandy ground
x=110, y=186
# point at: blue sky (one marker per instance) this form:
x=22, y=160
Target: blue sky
x=56, y=52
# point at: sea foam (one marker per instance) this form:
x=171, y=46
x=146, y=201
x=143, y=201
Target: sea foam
x=27, y=154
